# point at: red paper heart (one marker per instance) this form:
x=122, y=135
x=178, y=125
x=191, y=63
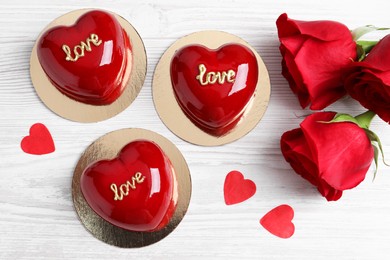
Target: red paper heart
x=39, y=141
x=237, y=189
x=97, y=75
x=218, y=106
x=278, y=221
x=149, y=204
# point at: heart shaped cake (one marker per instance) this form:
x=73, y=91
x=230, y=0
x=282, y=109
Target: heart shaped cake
x=136, y=191
x=88, y=61
x=214, y=87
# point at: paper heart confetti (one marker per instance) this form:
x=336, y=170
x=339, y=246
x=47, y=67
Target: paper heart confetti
x=278, y=221
x=237, y=189
x=39, y=141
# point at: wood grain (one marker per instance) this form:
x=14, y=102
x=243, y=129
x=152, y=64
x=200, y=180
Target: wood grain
x=37, y=219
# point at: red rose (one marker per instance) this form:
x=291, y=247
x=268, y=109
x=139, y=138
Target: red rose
x=369, y=80
x=314, y=56
x=332, y=156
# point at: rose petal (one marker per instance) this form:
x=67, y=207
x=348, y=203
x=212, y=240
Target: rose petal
x=369, y=81
x=321, y=67
x=322, y=30
x=338, y=147
x=315, y=55
x=296, y=152
x=329, y=192
x=378, y=58
x=293, y=44
x=285, y=26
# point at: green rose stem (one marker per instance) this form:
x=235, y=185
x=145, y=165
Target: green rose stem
x=364, y=120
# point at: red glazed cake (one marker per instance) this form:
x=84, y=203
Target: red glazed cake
x=214, y=87
x=87, y=61
x=136, y=191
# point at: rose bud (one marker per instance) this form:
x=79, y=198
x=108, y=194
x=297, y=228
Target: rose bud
x=369, y=81
x=315, y=54
x=330, y=152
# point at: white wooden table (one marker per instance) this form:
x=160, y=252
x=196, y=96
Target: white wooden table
x=37, y=218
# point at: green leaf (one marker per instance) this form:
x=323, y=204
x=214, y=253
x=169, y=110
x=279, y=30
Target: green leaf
x=360, y=31
x=364, y=119
x=376, y=153
x=361, y=53
x=382, y=29
x=366, y=46
x=374, y=138
x=338, y=118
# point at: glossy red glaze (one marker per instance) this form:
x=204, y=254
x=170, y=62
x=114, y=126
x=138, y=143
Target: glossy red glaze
x=215, y=108
x=99, y=77
x=147, y=207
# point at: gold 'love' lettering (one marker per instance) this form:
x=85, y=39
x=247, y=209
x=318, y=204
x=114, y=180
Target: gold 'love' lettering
x=79, y=50
x=125, y=188
x=212, y=77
